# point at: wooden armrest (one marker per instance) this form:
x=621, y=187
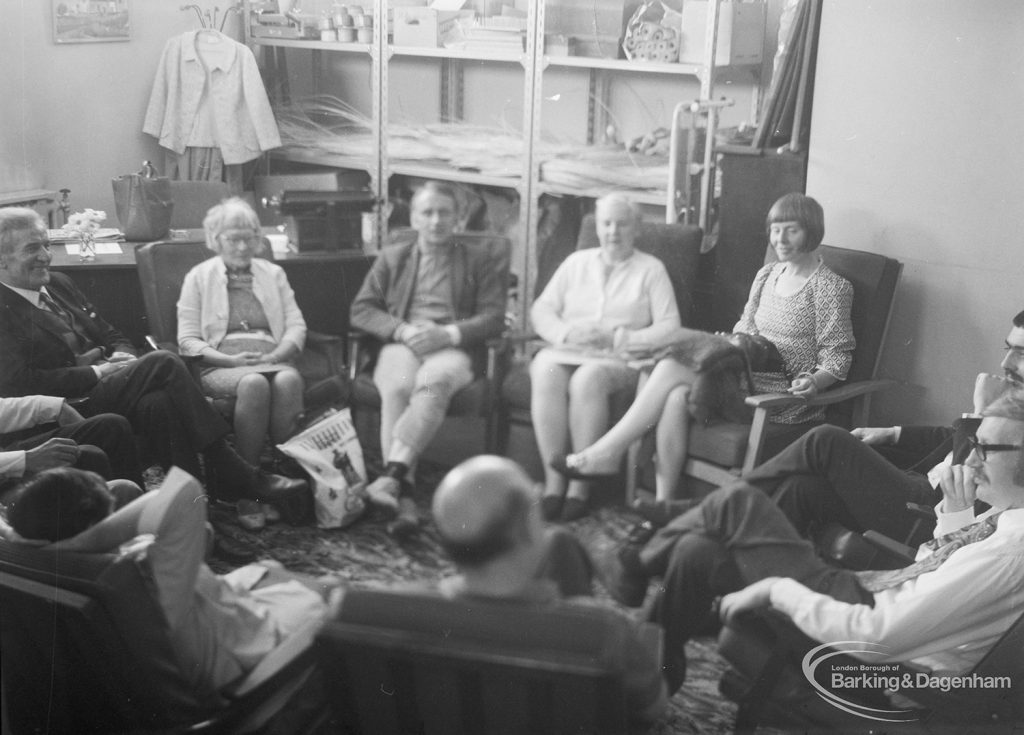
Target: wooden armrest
x=901, y=551
x=924, y=512
x=840, y=393
x=314, y=338
x=846, y=391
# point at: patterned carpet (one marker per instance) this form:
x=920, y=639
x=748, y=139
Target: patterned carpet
x=365, y=555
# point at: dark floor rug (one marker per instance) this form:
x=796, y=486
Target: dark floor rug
x=365, y=555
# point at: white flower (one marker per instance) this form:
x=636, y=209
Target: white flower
x=85, y=223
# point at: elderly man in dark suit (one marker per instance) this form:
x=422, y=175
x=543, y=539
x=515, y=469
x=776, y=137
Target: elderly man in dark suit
x=433, y=302
x=54, y=343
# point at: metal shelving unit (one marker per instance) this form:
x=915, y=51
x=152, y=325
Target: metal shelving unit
x=534, y=64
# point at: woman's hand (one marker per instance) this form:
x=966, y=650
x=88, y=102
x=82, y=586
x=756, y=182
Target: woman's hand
x=245, y=358
x=804, y=386
x=591, y=335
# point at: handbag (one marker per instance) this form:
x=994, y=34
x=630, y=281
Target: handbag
x=143, y=204
x=330, y=453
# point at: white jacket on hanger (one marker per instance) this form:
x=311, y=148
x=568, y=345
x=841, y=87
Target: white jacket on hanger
x=238, y=106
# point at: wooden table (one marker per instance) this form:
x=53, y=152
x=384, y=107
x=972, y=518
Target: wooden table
x=324, y=284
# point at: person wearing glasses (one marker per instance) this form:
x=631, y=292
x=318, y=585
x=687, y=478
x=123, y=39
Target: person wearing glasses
x=864, y=478
x=237, y=314
x=942, y=613
x=56, y=344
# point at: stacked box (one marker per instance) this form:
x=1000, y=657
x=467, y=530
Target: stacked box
x=740, y=32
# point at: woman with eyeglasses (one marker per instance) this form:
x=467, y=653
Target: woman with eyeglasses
x=237, y=313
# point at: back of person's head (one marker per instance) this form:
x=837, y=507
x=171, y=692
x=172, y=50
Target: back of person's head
x=14, y=221
x=796, y=207
x=1018, y=321
x=1010, y=405
x=482, y=510
x=59, y=503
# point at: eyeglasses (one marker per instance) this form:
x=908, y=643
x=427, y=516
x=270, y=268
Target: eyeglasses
x=37, y=245
x=982, y=450
x=1014, y=350
x=236, y=240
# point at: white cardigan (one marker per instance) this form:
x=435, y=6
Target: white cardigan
x=203, y=305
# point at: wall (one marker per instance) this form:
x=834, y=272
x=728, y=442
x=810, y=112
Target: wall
x=20, y=141
x=72, y=113
x=915, y=153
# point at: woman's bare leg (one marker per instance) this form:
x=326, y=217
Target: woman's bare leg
x=604, y=455
x=672, y=440
x=549, y=411
x=252, y=416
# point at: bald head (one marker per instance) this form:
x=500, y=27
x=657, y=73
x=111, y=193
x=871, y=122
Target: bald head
x=482, y=509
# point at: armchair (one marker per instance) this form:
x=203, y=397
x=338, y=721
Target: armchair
x=162, y=267
x=675, y=244
x=410, y=662
x=764, y=652
x=84, y=649
x=721, y=451
x=193, y=199
x=470, y=427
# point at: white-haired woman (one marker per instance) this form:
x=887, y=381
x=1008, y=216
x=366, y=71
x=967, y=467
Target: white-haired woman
x=611, y=299
x=237, y=312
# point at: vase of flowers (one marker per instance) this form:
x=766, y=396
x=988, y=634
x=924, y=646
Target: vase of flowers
x=85, y=225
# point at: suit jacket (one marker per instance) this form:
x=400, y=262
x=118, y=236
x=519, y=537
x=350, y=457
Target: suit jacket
x=36, y=358
x=479, y=290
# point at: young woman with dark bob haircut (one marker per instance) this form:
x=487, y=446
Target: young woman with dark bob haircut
x=797, y=303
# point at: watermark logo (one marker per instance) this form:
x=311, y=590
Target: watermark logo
x=850, y=684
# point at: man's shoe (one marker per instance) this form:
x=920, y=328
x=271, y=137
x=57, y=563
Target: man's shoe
x=623, y=576
x=407, y=522
x=661, y=512
x=383, y=492
x=291, y=497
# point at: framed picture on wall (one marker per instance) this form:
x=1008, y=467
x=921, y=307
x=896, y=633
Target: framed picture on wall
x=91, y=21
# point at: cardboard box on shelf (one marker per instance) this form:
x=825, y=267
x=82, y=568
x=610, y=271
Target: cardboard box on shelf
x=418, y=26
x=596, y=25
x=740, y=32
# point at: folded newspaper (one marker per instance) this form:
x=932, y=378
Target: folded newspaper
x=329, y=451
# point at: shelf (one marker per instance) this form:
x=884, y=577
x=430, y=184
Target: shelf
x=351, y=48
x=642, y=67
x=652, y=197
x=446, y=53
x=440, y=170
x=334, y=160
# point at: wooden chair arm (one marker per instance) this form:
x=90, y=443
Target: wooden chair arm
x=331, y=346
x=895, y=548
x=838, y=394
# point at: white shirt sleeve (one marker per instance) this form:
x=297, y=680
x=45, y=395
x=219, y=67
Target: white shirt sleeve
x=956, y=611
x=24, y=412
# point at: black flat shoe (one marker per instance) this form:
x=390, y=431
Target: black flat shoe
x=551, y=507
x=558, y=464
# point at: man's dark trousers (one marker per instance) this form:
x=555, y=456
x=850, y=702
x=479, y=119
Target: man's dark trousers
x=107, y=445
x=164, y=405
x=735, y=537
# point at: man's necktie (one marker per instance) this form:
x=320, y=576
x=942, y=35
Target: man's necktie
x=53, y=307
x=943, y=547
